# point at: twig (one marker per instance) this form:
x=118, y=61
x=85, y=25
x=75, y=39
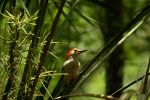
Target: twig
x=87, y=95
x=145, y=79
x=130, y=84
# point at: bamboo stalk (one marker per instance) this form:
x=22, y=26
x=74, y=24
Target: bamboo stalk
x=46, y=47
x=33, y=45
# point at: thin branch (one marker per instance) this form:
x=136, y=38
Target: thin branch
x=133, y=82
x=46, y=47
x=87, y=95
x=145, y=82
x=130, y=84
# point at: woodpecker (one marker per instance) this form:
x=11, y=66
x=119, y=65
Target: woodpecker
x=71, y=66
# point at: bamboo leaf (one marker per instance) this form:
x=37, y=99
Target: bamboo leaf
x=144, y=85
x=127, y=95
x=24, y=7
x=46, y=47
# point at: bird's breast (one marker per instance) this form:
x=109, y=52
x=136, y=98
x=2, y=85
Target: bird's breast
x=71, y=67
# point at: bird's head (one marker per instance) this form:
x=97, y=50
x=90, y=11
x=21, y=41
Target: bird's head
x=74, y=53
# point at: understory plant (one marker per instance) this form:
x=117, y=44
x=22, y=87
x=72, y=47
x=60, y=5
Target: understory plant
x=30, y=70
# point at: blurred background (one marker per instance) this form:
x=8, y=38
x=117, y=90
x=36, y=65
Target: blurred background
x=85, y=24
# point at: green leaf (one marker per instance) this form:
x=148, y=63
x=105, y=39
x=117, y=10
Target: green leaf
x=127, y=95
x=24, y=7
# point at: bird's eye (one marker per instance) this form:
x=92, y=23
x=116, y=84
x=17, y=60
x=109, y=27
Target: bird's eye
x=76, y=51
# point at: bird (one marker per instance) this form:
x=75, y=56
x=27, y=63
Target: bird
x=71, y=68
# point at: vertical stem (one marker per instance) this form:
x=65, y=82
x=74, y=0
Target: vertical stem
x=46, y=47
x=33, y=45
x=13, y=61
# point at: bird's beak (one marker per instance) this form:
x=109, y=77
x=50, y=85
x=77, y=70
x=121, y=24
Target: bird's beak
x=82, y=51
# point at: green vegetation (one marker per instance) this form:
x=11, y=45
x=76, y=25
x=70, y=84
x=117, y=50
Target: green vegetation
x=36, y=34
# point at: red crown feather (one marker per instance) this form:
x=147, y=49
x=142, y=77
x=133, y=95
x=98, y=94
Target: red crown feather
x=69, y=52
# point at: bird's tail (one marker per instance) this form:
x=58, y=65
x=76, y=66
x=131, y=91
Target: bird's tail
x=65, y=90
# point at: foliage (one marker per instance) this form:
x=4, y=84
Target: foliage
x=32, y=37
